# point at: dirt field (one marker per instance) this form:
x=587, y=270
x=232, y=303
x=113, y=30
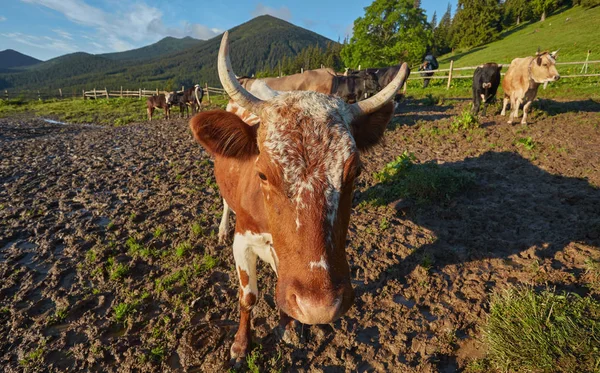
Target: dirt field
x=109, y=258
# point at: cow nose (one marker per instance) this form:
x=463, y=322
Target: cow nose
x=556, y=77
x=320, y=310
x=311, y=312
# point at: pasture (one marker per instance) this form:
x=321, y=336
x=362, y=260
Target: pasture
x=110, y=259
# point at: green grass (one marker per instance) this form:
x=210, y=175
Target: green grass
x=464, y=121
x=526, y=142
x=182, y=249
x=574, y=38
x=123, y=310
x=33, y=358
x=423, y=183
x=543, y=332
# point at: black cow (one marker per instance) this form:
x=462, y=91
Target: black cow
x=355, y=87
x=384, y=76
x=191, y=97
x=486, y=80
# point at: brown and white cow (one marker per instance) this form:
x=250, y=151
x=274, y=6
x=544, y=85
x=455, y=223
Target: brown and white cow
x=161, y=101
x=522, y=80
x=290, y=182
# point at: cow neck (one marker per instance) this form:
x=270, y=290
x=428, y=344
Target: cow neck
x=532, y=83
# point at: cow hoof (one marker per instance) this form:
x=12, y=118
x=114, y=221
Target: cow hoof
x=524, y=123
x=238, y=350
x=288, y=334
x=222, y=238
x=510, y=122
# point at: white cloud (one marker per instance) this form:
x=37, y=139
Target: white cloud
x=45, y=42
x=2, y=19
x=283, y=12
x=63, y=34
x=126, y=26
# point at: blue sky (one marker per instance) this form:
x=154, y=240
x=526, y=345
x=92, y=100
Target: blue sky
x=49, y=28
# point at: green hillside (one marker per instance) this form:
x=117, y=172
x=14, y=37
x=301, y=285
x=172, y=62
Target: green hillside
x=11, y=59
x=574, y=31
x=163, y=47
x=255, y=44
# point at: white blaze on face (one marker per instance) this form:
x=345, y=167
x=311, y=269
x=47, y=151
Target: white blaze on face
x=311, y=145
x=320, y=264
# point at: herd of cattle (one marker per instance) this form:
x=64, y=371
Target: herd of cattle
x=520, y=85
x=286, y=156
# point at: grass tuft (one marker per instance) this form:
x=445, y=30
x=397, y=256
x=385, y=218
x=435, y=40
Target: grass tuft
x=543, y=331
x=464, y=121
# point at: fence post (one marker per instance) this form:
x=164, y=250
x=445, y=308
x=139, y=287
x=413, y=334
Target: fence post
x=157, y=91
x=207, y=92
x=404, y=88
x=140, y=93
x=121, y=95
x=95, y=94
x=83, y=93
x=182, y=88
x=6, y=94
x=60, y=92
x=106, y=91
x=450, y=74
x=39, y=98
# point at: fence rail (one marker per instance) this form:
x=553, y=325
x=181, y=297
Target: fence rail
x=97, y=93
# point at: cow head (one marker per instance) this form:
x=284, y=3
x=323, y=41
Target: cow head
x=305, y=155
x=543, y=67
x=369, y=84
x=487, y=73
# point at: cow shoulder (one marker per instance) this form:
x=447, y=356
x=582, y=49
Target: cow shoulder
x=368, y=129
x=225, y=134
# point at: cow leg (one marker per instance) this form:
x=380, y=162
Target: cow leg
x=485, y=104
x=150, y=110
x=245, y=261
x=525, y=110
x=504, y=105
x=224, y=226
x=476, y=103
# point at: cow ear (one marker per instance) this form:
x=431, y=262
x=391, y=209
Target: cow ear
x=368, y=129
x=500, y=67
x=225, y=134
x=539, y=60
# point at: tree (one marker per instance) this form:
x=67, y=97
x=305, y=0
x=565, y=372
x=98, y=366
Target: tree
x=442, y=34
x=517, y=11
x=476, y=22
x=543, y=7
x=389, y=31
x=433, y=23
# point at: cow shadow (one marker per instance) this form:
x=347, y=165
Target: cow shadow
x=513, y=206
x=552, y=107
x=414, y=111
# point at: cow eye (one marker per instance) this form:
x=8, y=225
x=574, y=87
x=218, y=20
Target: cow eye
x=262, y=176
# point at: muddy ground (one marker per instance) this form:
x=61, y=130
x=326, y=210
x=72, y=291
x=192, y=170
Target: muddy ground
x=109, y=259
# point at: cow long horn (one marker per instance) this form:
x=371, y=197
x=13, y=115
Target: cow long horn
x=230, y=84
x=375, y=103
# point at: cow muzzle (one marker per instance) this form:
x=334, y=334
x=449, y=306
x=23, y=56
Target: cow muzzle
x=556, y=77
x=487, y=85
x=318, y=307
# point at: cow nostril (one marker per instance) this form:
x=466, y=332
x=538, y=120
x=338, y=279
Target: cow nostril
x=557, y=77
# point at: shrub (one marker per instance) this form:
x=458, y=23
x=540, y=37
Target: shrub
x=543, y=331
x=465, y=121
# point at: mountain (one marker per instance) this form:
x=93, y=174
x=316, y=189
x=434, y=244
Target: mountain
x=12, y=59
x=165, y=46
x=258, y=43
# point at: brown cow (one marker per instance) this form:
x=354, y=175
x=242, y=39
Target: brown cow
x=160, y=101
x=290, y=182
x=522, y=80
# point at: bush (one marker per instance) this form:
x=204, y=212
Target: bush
x=465, y=121
x=543, y=332
x=590, y=3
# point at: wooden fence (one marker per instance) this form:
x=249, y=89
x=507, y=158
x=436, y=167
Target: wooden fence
x=452, y=69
